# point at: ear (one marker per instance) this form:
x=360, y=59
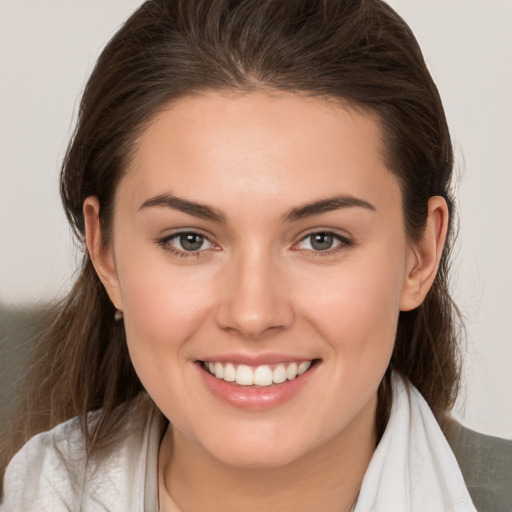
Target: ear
x=101, y=254
x=424, y=255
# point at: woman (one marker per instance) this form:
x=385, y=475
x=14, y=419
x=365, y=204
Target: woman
x=262, y=320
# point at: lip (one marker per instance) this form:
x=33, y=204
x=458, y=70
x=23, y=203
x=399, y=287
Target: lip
x=256, y=359
x=255, y=398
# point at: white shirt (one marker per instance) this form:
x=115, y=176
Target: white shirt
x=412, y=470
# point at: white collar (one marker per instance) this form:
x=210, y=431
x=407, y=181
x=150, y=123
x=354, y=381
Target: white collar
x=413, y=468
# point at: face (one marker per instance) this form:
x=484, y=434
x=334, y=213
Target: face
x=253, y=236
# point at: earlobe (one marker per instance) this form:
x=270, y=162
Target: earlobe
x=424, y=255
x=101, y=254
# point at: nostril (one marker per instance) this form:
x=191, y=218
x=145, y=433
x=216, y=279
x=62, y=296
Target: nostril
x=254, y=322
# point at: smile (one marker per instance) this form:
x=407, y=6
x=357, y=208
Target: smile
x=264, y=375
x=251, y=385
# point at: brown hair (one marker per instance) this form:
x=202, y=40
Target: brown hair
x=357, y=51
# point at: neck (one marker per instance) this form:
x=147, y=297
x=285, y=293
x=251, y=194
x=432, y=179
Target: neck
x=327, y=479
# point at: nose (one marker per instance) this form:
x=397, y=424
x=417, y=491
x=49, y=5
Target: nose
x=255, y=298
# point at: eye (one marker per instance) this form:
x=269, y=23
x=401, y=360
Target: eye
x=323, y=241
x=186, y=242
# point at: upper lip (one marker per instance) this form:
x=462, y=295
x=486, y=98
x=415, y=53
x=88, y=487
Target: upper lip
x=256, y=359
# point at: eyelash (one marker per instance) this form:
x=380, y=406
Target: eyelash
x=343, y=243
x=165, y=244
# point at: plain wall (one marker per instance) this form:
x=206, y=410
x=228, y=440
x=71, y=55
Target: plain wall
x=48, y=48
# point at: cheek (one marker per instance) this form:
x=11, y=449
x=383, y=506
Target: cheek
x=163, y=308
x=163, y=312
x=357, y=307
x=160, y=297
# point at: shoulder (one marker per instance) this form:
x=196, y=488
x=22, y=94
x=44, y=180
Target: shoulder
x=45, y=473
x=486, y=464
x=53, y=473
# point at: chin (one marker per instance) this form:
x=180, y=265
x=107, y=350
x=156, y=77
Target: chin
x=258, y=459
x=262, y=453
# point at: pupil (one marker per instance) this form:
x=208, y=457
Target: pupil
x=191, y=241
x=322, y=241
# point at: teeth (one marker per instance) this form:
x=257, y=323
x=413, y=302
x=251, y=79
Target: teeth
x=244, y=375
x=219, y=370
x=291, y=371
x=229, y=373
x=279, y=374
x=301, y=369
x=263, y=375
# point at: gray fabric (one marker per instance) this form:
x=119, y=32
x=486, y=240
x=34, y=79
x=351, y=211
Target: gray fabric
x=486, y=464
x=19, y=329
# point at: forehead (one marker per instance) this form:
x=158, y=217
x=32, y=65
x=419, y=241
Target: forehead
x=259, y=147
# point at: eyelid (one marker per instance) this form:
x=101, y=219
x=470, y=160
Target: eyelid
x=344, y=241
x=164, y=242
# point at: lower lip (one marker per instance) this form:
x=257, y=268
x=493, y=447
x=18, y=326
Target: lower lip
x=256, y=398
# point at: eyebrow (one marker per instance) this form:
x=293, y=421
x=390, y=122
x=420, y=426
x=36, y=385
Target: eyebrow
x=203, y=211
x=183, y=205
x=327, y=205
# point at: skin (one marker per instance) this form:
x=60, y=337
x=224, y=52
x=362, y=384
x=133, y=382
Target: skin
x=257, y=285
